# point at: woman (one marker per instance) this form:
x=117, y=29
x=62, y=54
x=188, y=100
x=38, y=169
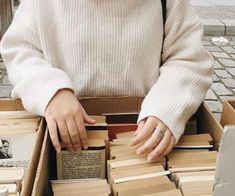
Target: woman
x=56, y=51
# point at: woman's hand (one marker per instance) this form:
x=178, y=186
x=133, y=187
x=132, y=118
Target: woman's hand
x=159, y=139
x=65, y=117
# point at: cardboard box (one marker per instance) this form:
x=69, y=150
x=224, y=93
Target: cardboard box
x=225, y=175
x=41, y=183
x=28, y=180
x=228, y=113
x=95, y=106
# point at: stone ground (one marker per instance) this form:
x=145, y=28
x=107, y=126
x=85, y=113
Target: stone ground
x=214, y=9
x=223, y=86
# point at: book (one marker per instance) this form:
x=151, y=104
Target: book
x=144, y=186
x=8, y=189
x=120, y=128
x=198, y=141
x=18, y=139
x=99, y=125
x=100, y=119
x=11, y=175
x=203, y=187
x=17, y=115
x=121, y=118
x=130, y=173
x=88, y=163
x=17, y=142
x=88, y=187
x=174, y=192
x=175, y=177
x=182, y=161
x=125, y=135
x=135, y=163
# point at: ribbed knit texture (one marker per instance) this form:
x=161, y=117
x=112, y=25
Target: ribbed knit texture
x=109, y=48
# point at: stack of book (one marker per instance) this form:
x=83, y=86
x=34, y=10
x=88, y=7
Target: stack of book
x=195, y=183
x=194, y=160
x=88, y=187
x=198, y=141
x=18, y=135
x=129, y=174
x=192, y=165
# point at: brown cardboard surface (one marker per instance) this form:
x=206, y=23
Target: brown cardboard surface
x=28, y=180
x=208, y=124
x=101, y=105
x=97, y=106
x=228, y=113
x=31, y=171
x=11, y=104
x=40, y=186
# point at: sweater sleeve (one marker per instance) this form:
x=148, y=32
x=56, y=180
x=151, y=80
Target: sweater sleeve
x=186, y=73
x=34, y=79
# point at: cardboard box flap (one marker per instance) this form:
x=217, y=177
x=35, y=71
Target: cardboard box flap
x=208, y=124
x=101, y=105
x=228, y=113
x=11, y=105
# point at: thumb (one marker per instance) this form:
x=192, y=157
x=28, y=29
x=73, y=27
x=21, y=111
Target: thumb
x=87, y=118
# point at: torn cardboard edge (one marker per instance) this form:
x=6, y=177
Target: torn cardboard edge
x=228, y=113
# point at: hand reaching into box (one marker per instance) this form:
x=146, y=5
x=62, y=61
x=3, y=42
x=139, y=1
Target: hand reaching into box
x=66, y=117
x=159, y=139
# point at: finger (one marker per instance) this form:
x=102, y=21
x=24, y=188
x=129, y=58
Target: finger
x=152, y=141
x=140, y=126
x=53, y=134
x=74, y=135
x=170, y=146
x=155, y=154
x=145, y=132
x=86, y=117
x=82, y=131
x=64, y=135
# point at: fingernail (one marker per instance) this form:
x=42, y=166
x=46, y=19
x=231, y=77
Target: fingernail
x=77, y=151
x=58, y=149
x=150, y=158
x=132, y=142
x=85, y=147
x=138, y=152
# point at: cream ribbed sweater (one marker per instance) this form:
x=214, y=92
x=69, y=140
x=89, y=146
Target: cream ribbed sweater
x=109, y=48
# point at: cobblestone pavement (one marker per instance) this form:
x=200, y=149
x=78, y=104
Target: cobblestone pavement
x=223, y=86
x=223, y=81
